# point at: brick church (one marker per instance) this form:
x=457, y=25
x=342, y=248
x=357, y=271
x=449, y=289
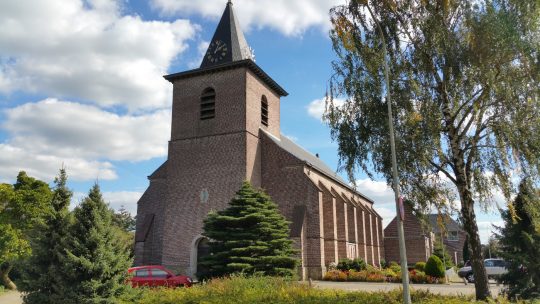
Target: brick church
x=226, y=129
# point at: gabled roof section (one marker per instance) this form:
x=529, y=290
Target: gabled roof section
x=311, y=160
x=229, y=37
x=449, y=223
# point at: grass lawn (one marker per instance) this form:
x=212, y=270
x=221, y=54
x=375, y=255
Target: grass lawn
x=242, y=290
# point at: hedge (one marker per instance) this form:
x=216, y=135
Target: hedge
x=261, y=290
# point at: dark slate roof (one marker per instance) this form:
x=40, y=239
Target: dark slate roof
x=450, y=223
x=229, y=32
x=248, y=63
x=311, y=160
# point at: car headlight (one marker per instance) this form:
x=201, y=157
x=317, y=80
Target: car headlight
x=189, y=280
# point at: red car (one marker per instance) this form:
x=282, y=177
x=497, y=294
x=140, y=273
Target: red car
x=155, y=276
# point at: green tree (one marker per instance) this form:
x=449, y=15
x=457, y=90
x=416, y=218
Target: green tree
x=440, y=250
x=123, y=219
x=464, y=81
x=95, y=263
x=519, y=243
x=41, y=276
x=22, y=206
x=435, y=267
x=249, y=236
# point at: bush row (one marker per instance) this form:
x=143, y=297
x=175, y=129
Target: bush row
x=261, y=290
x=377, y=275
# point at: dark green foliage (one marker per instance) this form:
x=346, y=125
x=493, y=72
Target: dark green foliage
x=41, y=276
x=519, y=242
x=384, y=264
x=441, y=252
x=348, y=264
x=434, y=267
x=95, y=263
x=421, y=266
x=124, y=219
x=250, y=236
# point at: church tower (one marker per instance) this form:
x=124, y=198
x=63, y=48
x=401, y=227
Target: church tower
x=217, y=112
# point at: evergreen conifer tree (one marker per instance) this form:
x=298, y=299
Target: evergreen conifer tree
x=96, y=260
x=41, y=275
x=250, y=236
x=519, y=242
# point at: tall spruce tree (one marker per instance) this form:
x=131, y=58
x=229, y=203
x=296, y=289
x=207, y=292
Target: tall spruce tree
x=519, y=242
x=250, y=236
x=41, y=276
x=96, y=260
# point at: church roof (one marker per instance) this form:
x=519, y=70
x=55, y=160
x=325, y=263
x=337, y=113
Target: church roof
x=229, y=37
x=311, y=160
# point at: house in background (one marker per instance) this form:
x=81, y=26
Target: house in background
x=452, y=234
x=419, y=240
x=420, y=237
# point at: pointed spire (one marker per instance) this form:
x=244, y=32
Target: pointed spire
x=228, y=43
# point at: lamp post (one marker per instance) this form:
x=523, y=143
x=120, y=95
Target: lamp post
x=397, y=196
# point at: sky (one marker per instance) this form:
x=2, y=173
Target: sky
x=81, y=86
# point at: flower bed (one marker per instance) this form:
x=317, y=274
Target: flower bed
x=377, y=275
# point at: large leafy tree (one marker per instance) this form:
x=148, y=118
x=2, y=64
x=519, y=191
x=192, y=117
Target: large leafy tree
x=464, y=84
x=96, y=259
x=41, y=276
x=22, y=206
x=519, y=243
x=249, y=236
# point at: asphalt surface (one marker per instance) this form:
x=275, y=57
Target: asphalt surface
x=443, y=289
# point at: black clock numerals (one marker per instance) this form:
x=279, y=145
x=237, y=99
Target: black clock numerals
x=217, y=51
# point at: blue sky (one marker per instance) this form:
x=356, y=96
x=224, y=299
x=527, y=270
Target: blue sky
x=81, y=85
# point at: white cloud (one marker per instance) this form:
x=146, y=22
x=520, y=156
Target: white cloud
x=45, y=135
x=317, y=107
x=87, y=50
x=115, y=199
x=45, y=166
x=292, y=18
x=63, y=129
x=201, y=51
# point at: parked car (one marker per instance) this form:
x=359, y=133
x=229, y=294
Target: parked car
x=155, y=276
x=494, y=269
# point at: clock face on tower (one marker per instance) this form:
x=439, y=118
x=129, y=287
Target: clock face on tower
x=217, y=51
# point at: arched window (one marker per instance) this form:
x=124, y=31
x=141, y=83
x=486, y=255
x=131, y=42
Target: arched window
x=208, y=104
x=264, y=111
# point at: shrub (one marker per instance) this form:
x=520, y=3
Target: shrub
x=434, y=267
x=358, y=264
x=417, y=276
x=344, y=265
x=266, y=290
x=395, y=268
x=421, y=266
x=335, y=275
x=384, y=264
x=357, y=276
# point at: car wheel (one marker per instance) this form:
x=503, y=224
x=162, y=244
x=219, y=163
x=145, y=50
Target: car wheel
x=470, y=278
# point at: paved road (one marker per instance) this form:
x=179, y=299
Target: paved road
x=10, y=297
x=450, y=289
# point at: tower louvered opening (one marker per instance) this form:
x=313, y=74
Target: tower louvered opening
x=208, y=104
x=264, y=111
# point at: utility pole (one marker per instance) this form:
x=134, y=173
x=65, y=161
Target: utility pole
x=397, y=195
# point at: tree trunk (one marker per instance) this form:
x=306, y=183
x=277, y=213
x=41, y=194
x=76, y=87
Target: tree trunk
x=4, y=275
x=481, y=282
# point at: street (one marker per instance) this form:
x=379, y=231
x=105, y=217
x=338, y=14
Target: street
x=443, y=289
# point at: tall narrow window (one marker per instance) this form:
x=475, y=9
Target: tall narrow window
x=264, y=111
x=208, y=104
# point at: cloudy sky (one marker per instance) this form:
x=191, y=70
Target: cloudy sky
x=81, y=85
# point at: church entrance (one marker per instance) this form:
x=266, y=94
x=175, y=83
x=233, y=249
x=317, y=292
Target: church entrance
x=200, y=249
